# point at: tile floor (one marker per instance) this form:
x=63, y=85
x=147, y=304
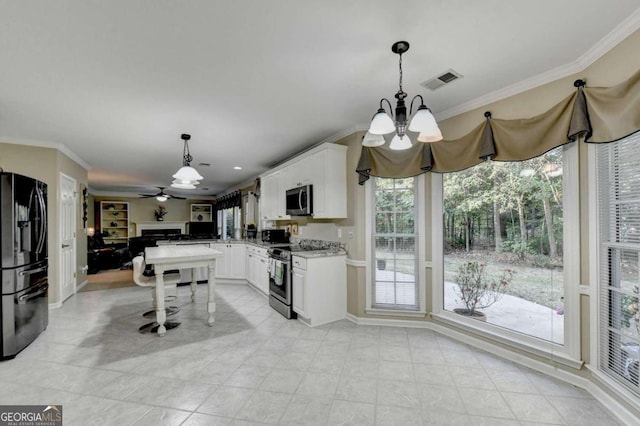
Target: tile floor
x=255, y=367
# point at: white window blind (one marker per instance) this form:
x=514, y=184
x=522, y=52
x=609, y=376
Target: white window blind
x=395, y=238
x=618, y=177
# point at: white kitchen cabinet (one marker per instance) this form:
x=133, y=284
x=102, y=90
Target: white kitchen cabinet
x=232, y=264
x=262, y=275
x=328, y=169
x=237, y=259
x=272, y=198
x=324, y=167
x=257, y=268
x=319, y=289
x=298, y=291
x=298, y=173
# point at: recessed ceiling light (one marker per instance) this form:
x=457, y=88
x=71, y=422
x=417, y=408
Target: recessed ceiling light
x=237, y=168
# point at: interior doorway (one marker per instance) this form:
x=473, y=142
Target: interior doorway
x=68, y=208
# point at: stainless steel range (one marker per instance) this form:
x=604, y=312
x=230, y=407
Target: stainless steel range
x=280, y=280
x=280, y=276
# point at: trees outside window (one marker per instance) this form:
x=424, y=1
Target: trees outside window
x=510, y=215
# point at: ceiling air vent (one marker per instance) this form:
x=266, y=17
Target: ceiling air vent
x=444, y=78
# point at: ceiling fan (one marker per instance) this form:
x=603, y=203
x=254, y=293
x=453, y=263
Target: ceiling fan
x=161, y=196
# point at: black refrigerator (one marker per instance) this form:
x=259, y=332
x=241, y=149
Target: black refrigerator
x=24, y=310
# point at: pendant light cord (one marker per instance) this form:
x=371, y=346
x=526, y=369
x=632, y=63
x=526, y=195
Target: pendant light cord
x=186, y=156
x=400, y=66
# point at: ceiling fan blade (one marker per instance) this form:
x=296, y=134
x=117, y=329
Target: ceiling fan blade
x=146, y=196
x=176, y=198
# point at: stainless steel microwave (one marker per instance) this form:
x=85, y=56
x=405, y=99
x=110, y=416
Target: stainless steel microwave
x=300, y=201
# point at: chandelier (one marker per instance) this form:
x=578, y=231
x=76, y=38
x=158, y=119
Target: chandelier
x=384, y=122
x=186, y=177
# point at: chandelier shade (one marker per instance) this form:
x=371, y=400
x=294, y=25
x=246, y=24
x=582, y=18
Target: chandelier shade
x=385, y=122
x=187, y=173
x=180, y=185
x=372, y=140
x=400, y=143
x=430, y=137
x=186, y=177
x=382, y=123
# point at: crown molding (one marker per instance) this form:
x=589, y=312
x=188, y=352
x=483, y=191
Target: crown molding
x=52, y=145
x=608, y=42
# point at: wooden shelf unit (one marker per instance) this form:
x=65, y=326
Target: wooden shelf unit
x=201, y=213
x=114, y=220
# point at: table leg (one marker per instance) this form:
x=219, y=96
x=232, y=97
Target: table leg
x=211, y=303
x=194, y=284
x=161, y=315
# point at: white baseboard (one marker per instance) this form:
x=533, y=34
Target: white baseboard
x=82, y=285
x=55, y=305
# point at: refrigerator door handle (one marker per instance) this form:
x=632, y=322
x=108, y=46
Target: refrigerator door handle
x=43, y=221
x=32, y=271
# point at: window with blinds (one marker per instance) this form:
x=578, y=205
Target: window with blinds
x=395, y=244
x=618, y=180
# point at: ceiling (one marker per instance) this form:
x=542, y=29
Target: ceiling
x=256, y=81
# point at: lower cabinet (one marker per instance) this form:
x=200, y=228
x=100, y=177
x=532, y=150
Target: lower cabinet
x=298, y=285
x=257, y=268
x=319, y=289
x=232, y=264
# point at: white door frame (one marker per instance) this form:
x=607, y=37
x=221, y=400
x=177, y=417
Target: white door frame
x=62, y=225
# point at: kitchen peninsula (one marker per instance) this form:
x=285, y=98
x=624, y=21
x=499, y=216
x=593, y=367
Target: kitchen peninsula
x=317, y=274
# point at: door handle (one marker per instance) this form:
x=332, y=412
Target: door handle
x=27, y=297
x=32, y=271
x=65, y=245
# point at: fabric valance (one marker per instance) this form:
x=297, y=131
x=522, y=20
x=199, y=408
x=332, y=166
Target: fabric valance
x=598, y=114
x=233, y=199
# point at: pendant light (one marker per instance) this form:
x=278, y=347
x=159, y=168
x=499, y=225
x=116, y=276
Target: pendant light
x=186, y=177
x=384, y=122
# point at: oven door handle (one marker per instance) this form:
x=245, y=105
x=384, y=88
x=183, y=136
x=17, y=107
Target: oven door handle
x=26, y=297
x=32, y=271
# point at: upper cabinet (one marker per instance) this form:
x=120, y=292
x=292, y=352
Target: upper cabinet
x=324, y=167
x=328, y=169
x=272, y=199
x=201, y=213
x=114, y=221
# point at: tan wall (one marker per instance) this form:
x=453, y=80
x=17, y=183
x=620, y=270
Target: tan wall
x=46, y=164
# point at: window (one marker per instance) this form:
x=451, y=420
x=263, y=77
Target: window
x=229, y=223
x=618, y=189
x=513, y=227
x=394, y=242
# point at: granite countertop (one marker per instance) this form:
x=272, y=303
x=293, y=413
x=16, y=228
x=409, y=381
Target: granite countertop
x=320, y=252
x=213, y=241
